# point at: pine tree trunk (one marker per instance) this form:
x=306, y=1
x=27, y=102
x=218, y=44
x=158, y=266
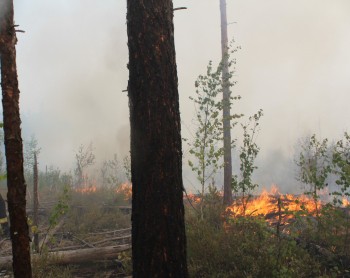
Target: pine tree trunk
x=36, y=202
x=158, y=229
x=16, y=195
x=226, y=107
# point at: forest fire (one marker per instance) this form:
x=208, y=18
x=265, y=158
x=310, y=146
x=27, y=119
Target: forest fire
x=126, y=190
x=86, y=190
x=273, y=205
x=192, y=198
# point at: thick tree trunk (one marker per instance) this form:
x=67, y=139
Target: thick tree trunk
x=16, y=195
x=226, y=107
x=158, y=230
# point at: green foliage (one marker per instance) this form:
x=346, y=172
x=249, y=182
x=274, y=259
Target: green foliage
x=60, y=208
x=43, y=267
x=244, y=247
x=330, y=230
x=206, y=147
x=3, y=177
x=327, y=237
x=126, y=259
x=315, y=165
x=341, y=161
x=209, y=126
x=248, y=153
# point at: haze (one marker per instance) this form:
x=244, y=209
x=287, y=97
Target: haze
x=294, y=64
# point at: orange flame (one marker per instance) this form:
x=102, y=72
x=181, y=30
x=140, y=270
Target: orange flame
x=86, y=190
x=272, y=204
x=345, y=202
x=192, y=198
x=126, y=190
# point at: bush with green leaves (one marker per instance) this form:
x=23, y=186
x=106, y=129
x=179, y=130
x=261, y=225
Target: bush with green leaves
x=244, y=247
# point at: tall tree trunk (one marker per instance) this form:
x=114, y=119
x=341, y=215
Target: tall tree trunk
x=158, y=229
x=36, y=202
x=16, y=195
x=226, y=107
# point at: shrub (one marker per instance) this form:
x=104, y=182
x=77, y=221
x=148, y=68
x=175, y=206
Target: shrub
x=244, y=247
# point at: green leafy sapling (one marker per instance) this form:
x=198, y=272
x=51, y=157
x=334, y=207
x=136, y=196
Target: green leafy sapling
x=205, y=145
x=341, y=161
x=314, y=164
x=243, y=184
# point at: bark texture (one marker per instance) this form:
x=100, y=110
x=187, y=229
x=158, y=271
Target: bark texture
x=16, y=195
x=158, y=230
x=226, y=108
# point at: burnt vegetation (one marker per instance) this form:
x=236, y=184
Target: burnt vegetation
x=133, y=217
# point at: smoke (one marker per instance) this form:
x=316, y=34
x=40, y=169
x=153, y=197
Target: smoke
x=279, y=169
x=72, y=70
x=294, y=64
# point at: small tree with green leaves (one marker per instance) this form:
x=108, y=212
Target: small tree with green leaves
x=314, y=164
x=206, y=146
x=209, y=129
x=243, y=184
x=341, y=161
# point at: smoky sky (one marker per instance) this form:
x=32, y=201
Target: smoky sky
x=294, y=64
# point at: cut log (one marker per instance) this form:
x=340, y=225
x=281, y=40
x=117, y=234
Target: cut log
x=75, y=256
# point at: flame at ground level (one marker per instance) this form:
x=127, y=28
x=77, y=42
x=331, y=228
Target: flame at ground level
x=126, y=190
x=86, y=190
x=273, y=204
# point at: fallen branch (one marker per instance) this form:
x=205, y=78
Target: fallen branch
x=65, y=248
x=110, y=239
x=75, y=256
x=83, y=241
x=110, y=232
